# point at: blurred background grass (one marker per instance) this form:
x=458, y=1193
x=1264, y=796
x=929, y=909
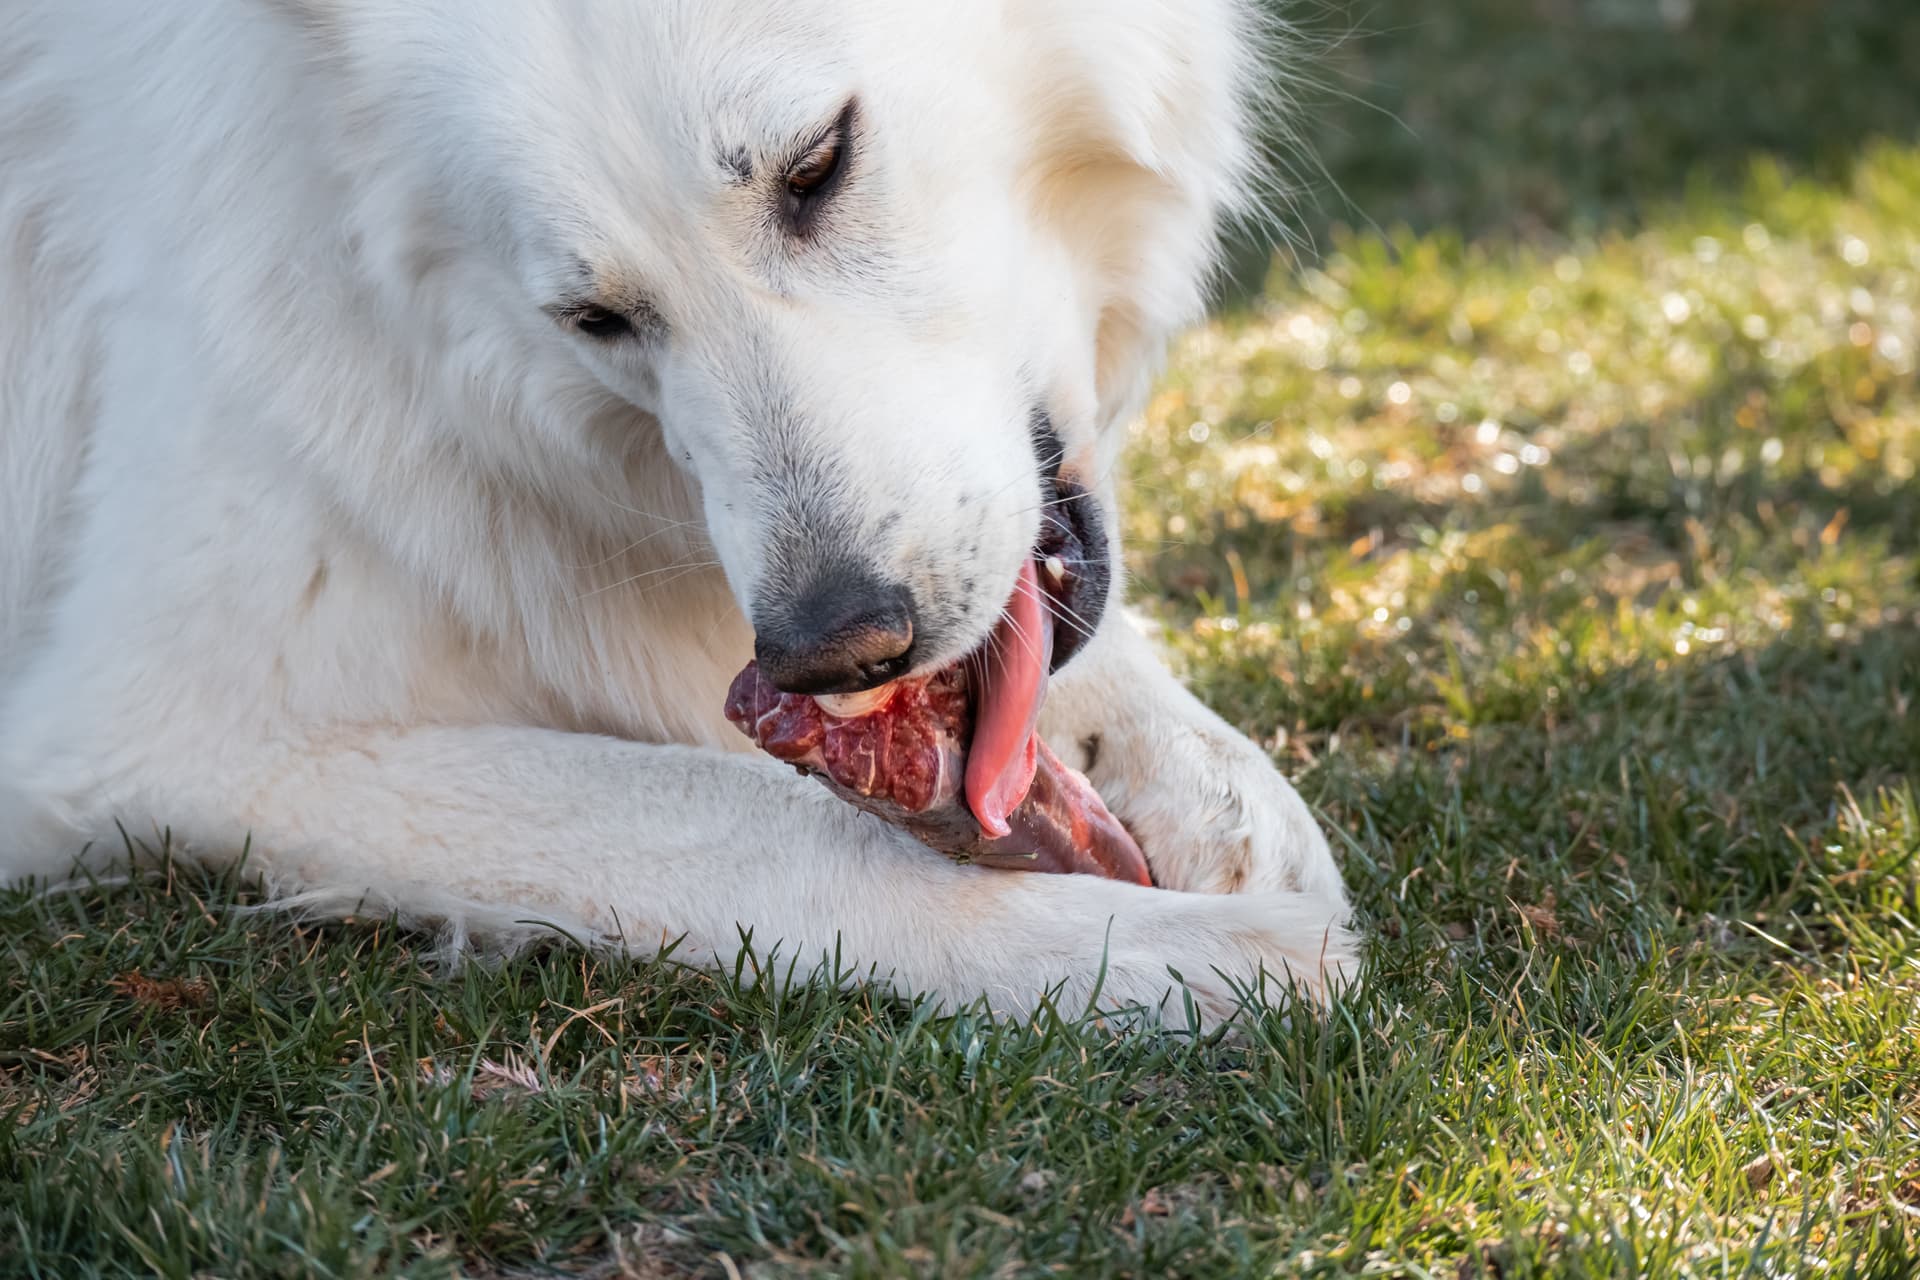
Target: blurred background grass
x=1551, y=119
x=1619, y=292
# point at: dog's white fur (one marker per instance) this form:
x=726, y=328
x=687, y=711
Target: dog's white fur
x=316, y=527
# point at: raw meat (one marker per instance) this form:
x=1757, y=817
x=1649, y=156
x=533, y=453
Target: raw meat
x=904, y=758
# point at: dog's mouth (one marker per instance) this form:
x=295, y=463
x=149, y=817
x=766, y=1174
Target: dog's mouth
x=952, y=756
x=1057, y=602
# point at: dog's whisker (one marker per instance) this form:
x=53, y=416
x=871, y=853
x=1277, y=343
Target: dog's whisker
x=1051, y=502
x=622, y=507
x=683, y=568
x=1013, y=624
x=635, y=545
x=1065, y=613
x=1009, y=484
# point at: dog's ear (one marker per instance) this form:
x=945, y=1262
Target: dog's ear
x=1168, y=86
x=1144, y=114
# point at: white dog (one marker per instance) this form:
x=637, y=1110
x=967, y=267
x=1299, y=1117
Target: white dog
x=412, y=414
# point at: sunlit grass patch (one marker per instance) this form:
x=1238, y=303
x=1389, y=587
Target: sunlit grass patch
x=1692, y=442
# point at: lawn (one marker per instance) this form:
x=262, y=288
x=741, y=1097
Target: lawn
x=1562, y=538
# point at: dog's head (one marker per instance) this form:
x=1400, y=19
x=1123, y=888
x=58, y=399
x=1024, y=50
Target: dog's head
x=888, y=275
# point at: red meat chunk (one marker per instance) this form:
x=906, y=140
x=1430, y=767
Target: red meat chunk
x=905, y=761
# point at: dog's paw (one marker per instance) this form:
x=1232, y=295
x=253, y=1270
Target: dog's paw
x=1215, y=816
x=1188, y=961
x=1246, y=954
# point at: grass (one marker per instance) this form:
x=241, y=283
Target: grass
x=1554, y=118
x=1576, y=576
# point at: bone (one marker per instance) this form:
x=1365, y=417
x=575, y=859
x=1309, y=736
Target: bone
x=851, y=706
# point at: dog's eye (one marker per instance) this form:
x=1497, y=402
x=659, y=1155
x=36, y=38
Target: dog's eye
x=818, y=171
x=815, y=170
x=598, y=322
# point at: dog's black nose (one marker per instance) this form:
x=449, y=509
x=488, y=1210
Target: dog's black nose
x=844, y=632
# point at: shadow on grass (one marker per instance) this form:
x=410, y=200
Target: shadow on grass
x=1545, y=118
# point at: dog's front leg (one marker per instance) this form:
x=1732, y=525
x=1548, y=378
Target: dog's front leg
x=503, y=829
x=1209, y=808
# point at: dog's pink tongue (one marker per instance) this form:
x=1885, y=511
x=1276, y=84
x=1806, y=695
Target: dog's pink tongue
x=1001, y=761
